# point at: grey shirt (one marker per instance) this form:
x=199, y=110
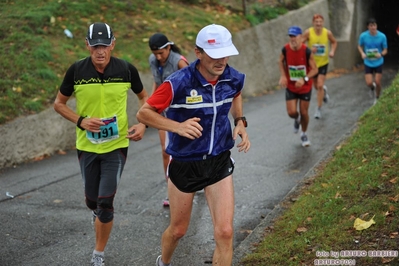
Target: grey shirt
x=160, y=73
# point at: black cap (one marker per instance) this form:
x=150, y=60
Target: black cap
x=100, y=34
x=158, y=41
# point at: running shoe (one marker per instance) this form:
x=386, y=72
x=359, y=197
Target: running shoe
x=158, y=260
x=305, y=141
x=97, y=260
x=375, y=101
x=297, y=124
x=326, y=96
x=166, y=202
x=317, y=115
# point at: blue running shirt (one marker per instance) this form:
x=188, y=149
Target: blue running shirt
x=373, y=44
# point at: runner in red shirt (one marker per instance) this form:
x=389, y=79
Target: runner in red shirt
x=297, y=67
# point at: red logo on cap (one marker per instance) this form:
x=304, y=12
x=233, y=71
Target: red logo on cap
x=211, y=41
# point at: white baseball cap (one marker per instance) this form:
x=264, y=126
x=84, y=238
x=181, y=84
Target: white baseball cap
x=216, y=41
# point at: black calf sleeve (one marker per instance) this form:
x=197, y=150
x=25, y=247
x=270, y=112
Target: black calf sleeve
x=105, y=211
x=92, y=205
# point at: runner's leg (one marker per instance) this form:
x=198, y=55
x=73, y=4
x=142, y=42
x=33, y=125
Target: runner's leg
x=220, y=198
x=180, y=213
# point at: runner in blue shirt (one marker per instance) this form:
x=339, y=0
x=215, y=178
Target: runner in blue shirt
x=373, y=46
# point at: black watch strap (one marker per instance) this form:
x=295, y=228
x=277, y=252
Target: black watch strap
x=80, y=122
x=243, y=119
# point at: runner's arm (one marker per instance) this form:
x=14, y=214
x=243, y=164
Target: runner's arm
x=149, y=114
x=384, y=52
x=360, y=49
x=305, y=36
x=333, y=43
x=182, y=63
x=313, y=67
x=239, y=129
x=283, y=77
x=60, y=106
x=136, y=132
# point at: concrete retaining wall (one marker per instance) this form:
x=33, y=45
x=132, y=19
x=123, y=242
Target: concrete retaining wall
x=260, y=47
x=45, y=133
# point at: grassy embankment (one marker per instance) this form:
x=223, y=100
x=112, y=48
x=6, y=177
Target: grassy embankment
x=35, y=52
x=360, y=180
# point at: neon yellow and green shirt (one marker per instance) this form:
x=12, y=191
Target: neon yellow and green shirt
x=319, y=43
x=102, y=96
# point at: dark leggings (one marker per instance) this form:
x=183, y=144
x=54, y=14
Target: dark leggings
x=101, y=174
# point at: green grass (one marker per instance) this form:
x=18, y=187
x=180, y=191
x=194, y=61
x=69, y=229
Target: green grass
x=260, y=13
x=360, y=180
x=35, y=52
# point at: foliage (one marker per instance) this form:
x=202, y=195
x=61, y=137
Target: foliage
x=260, y=12
x=35, y=52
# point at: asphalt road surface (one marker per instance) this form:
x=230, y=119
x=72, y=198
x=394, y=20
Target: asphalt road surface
x=47, y=222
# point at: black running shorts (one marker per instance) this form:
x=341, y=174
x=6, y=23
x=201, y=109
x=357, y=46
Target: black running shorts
x=289, y=95
x=371, y=70
x=192, y=176
x=322, y=70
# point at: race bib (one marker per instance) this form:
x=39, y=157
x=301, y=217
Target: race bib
x=296, y=72
x=371, y=53
x=108, y=132
x=319, y=49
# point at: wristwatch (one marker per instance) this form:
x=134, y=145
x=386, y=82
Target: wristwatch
x=306, y=78
x=243, y=119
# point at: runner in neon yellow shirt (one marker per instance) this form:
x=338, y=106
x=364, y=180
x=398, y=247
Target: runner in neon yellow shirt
x=100, y=83
x=319, y=39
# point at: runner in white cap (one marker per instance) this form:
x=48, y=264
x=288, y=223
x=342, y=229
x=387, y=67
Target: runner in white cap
x=197, y=100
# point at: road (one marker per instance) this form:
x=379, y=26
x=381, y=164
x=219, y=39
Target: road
x=47, y=222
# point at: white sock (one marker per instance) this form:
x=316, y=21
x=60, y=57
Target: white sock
x=95, y=252
x=164, y=264
x=303, y=133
